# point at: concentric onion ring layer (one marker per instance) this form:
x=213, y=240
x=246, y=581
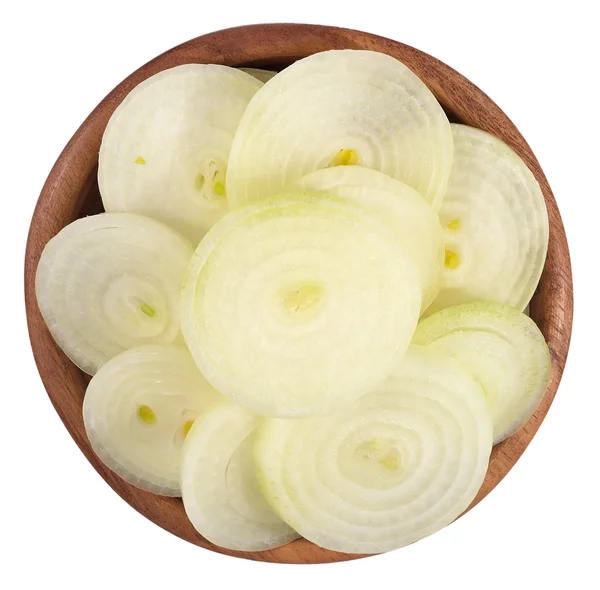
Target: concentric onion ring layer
x=363, y=101
x=138, y=409
x=167, y=145
x=298, y=303
x=393, y=467
x=110, y=282
x=218, y=483
x=496, y=224
x=503, y=349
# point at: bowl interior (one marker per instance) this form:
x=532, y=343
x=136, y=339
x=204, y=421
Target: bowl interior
x=71, y=191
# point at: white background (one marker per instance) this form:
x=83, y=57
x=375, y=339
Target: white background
x=65, y=527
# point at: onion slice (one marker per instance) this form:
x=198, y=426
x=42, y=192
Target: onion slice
x=394, y=466
x=495, y=224
x=218, y=483
x=109, y=282
x=502, y=348
x=298, y=303
x=138, y=410
x=165, y=149
x=335, y=108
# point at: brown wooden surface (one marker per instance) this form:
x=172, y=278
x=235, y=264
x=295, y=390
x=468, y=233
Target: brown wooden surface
x=71, y=191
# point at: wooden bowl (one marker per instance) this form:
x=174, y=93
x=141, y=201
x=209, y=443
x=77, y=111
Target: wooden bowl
x=71, y=191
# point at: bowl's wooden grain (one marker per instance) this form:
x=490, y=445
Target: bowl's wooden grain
x=71, y=191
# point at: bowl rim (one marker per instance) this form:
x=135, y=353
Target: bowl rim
x=259, y=45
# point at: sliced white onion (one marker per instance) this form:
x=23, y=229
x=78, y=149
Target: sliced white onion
x=109, y=282
x=218, y=483
x=260, y=74
x=341, y=107
x=389, y=469
x=165, y=149
x=496, y=225
x=410, y=217
x=503, y=349
x=298, y=303
x=138, y=410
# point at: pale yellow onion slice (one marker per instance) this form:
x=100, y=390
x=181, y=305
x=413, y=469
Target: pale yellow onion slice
x=392, y=467
x=409, y=216
x=341, y=107
x=218, y=483
x=138, y=410
x=495, y=224
x=260, y=74
x=298, y=303
x=109, y=282
x=165, y=149
x=503, y=349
